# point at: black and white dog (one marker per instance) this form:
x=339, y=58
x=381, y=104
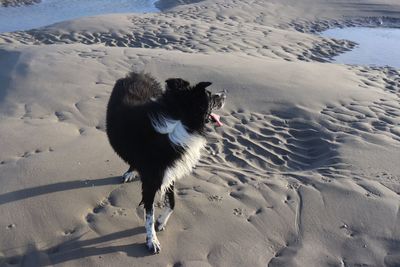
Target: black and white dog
x=160, y=135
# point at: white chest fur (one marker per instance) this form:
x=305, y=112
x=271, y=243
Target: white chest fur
x=179, y=136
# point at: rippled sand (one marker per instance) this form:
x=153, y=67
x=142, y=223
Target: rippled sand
x=304, y=172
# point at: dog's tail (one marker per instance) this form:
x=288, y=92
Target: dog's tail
x=136, y=89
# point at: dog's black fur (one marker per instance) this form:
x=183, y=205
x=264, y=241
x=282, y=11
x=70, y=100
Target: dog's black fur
x=136, y=102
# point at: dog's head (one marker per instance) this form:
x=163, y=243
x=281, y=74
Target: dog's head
x=194, y=105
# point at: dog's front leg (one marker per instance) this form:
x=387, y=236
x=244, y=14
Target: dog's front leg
x=152, y=242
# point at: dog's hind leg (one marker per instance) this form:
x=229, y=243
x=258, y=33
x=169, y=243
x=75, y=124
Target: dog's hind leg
x=169, y=205
x=148, y=193
x=130, y=175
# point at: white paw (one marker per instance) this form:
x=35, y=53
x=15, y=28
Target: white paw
x=153, y=245
x=130, y=176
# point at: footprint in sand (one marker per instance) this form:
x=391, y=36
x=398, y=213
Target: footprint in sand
x=215, y=198
x=28, y=154
x=11, y=226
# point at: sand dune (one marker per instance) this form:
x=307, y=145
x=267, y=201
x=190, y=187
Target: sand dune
x=304, y=172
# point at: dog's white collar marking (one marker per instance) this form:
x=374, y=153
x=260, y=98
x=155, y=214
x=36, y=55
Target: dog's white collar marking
x=178, y=135
x=176, y=131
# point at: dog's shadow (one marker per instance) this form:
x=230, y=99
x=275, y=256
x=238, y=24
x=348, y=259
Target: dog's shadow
x=57, y=187
x=74, y=248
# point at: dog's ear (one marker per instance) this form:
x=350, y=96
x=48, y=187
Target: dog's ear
x=176, y=84
x=202, y=85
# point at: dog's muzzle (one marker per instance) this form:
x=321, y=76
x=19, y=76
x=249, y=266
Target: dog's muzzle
x=217, y=102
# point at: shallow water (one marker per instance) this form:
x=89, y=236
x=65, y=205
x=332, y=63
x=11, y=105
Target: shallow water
x=377, y=46
x=51, y=11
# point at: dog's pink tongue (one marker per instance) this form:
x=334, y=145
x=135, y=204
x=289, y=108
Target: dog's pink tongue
x=216, y=118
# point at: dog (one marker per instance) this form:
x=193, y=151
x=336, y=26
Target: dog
x=160, y=134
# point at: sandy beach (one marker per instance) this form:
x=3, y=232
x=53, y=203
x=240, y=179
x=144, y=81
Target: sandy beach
x=304, y=172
